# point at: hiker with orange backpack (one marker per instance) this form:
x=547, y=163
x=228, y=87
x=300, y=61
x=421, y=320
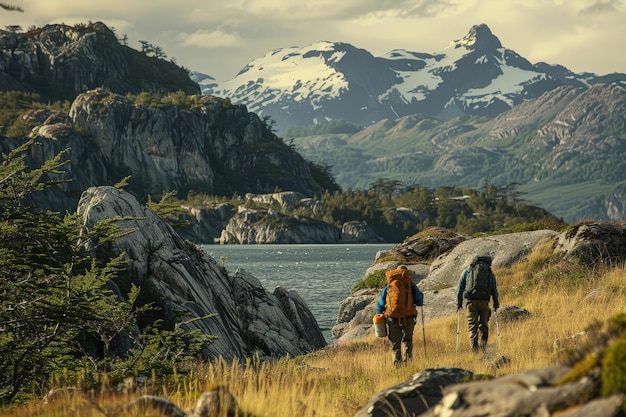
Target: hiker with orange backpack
x=398, y=302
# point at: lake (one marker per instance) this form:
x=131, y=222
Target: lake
x=322, y=274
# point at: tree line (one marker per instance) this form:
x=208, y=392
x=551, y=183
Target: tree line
x=396, y=211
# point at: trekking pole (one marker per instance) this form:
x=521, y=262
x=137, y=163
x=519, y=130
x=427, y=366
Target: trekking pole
x=423, y=331
x=385, y=339
x=458, y=328
x=497, y=327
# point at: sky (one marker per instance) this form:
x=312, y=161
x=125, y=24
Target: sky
x=219, y=37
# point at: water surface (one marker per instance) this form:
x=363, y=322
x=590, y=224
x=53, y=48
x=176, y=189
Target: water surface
x=322, y=274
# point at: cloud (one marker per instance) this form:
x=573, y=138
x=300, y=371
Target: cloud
x=412, y=9
x=602, y=6
x=316, y=10
x=211, y=39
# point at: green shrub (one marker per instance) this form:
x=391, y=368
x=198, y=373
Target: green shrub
x=614, y=369
x=374, y=280
x=18, y=129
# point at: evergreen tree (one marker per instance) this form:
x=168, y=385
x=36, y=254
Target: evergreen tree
x=51, y=290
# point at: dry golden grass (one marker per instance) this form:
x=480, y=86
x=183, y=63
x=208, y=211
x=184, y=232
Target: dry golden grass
x=564, y=299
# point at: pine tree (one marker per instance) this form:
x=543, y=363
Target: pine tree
x=51, y=291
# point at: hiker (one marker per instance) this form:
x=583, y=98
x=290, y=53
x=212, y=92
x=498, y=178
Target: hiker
x=397, y=302
x=477, y=285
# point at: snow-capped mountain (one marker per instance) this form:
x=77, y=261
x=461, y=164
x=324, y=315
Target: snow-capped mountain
x=475, y=75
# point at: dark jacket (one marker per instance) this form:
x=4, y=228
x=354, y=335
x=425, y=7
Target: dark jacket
x=460, y=289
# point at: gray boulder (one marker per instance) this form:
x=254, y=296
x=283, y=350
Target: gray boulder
x=206, y=224
x=414, y=396
x=418, y=271
x=354, y=317
x=425, y=246
x=512, y=313
x=274, y=323
x=452, y=392
x=248, y=320
x=359, y=232
x=594, y=243
x=505, y=250
x=532, y=393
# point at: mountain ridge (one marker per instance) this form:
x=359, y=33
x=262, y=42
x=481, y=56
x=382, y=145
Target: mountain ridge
x=474, y=75
x=564, y=150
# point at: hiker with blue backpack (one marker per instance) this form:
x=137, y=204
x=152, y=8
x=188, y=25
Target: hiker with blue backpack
x=477, y=286
x=398, y=302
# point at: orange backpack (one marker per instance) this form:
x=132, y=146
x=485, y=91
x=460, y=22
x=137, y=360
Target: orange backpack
x=399, y=300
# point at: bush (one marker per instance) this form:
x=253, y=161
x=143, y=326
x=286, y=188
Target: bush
x=614, y=369
x=374, y=280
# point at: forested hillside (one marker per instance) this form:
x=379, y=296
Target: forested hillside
x=396, y=211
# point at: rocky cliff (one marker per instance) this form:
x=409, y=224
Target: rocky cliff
x=202, y=145
x=249, y=321
x=213, y=148
x=60, y=61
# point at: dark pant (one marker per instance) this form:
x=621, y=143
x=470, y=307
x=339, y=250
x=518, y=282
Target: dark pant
x=478, y=314
x=401, y=333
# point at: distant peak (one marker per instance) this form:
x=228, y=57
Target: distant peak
x=479, y=37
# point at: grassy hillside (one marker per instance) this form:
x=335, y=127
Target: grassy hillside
x=564, y=299
x=574, y=201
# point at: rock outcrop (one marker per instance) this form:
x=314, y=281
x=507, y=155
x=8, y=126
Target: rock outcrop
x=594, y=243
x=419, y=393
x=505, y=250
x=61, y=61
x=447, y=392
x=359, y=232
x=285, y=199
x=261, y=221
x=425, y=246
x=249, y=319
x=270, y=226
x=215, y=148
x=206, y=224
